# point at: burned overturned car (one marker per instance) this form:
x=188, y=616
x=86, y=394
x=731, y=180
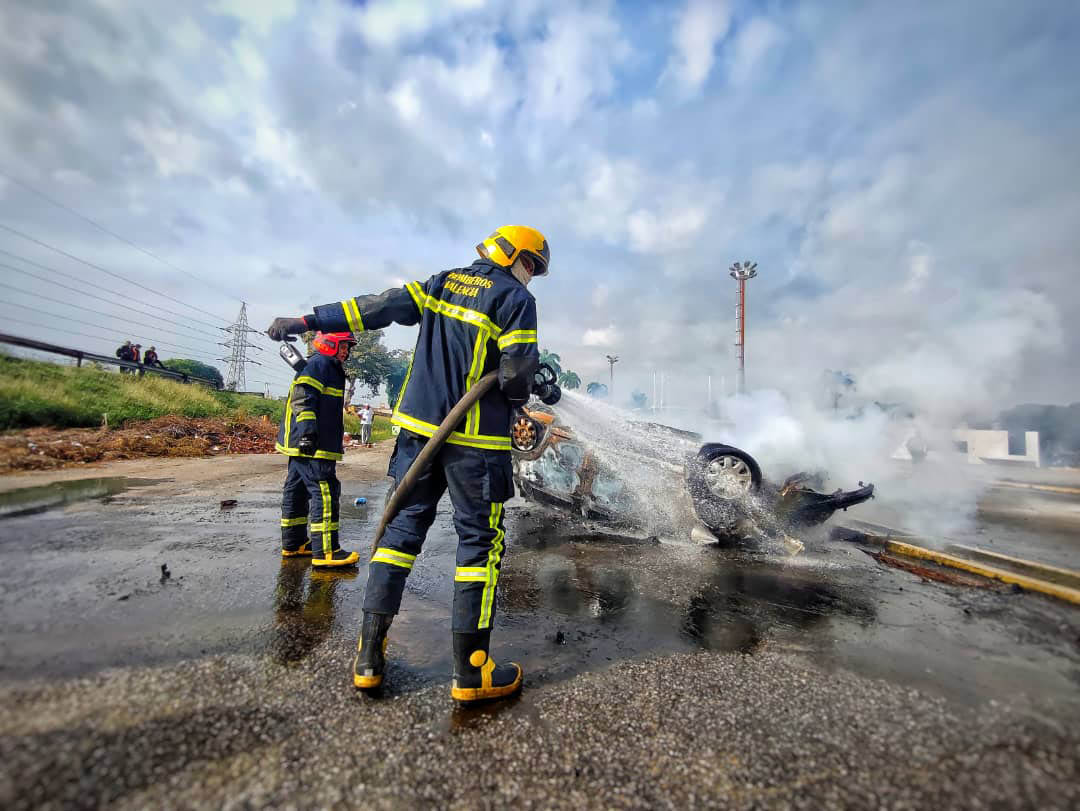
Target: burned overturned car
x=664, y=481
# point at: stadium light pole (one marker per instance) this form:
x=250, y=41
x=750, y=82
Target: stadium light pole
x=741, y=272
x=612, y=360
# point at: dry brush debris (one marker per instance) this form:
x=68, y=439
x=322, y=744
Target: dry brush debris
x=50, y=448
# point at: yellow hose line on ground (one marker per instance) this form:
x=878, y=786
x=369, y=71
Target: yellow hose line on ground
x=1046, y=488
x=1056, y=574
x=1029, y=583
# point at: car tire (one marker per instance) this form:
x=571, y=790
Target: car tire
x=722, y=472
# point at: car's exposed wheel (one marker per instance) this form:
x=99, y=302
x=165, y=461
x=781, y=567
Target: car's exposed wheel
x=723, y=472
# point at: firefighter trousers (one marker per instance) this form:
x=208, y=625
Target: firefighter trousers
x=309, y=504
x=479, y=481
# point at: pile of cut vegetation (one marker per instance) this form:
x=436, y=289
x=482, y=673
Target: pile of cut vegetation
x=48, y=448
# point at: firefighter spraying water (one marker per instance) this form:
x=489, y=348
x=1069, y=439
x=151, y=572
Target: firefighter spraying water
x=476, y=324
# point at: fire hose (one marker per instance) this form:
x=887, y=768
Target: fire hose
x=543, y=386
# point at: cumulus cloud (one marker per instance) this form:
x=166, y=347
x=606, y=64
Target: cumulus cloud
x=904, y=175
x=752, y=44
x=700, y=26
x=605, y=337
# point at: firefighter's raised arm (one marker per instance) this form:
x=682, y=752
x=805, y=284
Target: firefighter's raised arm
x=398, y=305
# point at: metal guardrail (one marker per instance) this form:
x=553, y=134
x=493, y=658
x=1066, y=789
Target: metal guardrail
x=80, y=356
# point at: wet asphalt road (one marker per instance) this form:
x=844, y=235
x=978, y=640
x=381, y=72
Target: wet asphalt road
x=657, y=675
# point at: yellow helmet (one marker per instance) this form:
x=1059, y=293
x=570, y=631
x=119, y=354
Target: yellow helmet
x=510, y=241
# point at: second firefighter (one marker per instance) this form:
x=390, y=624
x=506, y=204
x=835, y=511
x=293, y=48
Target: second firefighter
x=311, y=434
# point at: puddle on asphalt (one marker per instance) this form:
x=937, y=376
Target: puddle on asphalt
x=305, y=606
x=571, y=600
x=30, y=500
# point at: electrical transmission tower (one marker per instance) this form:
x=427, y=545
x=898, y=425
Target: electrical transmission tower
x=236, y=378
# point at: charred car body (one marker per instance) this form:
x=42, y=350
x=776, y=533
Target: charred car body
x=711, y=492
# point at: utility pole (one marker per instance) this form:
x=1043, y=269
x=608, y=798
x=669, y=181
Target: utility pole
x=741, y=273
x=612, y=360
x=236, y=379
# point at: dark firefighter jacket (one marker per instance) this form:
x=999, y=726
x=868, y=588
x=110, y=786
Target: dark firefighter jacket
x=472, y=321
x=315, y=407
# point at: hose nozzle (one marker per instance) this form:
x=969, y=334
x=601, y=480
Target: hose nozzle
x=545, y=386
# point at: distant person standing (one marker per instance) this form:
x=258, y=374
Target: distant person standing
x=136, y=353
x=125, y=352
x=367, y=417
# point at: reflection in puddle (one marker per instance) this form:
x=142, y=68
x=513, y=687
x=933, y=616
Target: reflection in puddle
x=582, y=604
x=739, y=608
x=30, y=500
x=302, y=620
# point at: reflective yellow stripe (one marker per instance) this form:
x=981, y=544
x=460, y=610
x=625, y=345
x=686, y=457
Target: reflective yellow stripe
x=327, y=526
x=288, y=418
x=470, y=574
x=419, y=297
x=518, y=336
x=310, y=381
x=327, y=512
x=332, y=392
x=395, y=553
x=483, y=441
x=294, y=522
x=413, y=424
x=352, y=315
x=493, y=443
x=472, y=420
x=393, y=557
x=494, y=554
x=474, y=317
x=304, y=416
x=329, y=455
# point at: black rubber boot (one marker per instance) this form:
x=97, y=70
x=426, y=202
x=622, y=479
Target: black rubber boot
x=370, y=659
x=337, y=557
x=476, y=676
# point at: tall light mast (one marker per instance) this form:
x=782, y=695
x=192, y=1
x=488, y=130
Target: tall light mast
x=741, y=273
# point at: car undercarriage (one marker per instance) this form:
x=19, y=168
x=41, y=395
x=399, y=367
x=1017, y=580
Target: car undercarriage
x=711, y=492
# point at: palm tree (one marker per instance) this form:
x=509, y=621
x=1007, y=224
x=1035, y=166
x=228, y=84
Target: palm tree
x=595, y=389
x=569, y=380
x=552, y=360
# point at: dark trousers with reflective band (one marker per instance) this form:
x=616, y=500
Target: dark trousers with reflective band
x=309, y=503
x=479, y=482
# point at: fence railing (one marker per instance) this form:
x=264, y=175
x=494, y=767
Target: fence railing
x=80, y=356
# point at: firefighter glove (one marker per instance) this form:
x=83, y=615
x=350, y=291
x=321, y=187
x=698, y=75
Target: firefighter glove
x=282, y=328
x=306, y=445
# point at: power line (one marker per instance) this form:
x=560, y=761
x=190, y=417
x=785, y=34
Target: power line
x=110, y=316
x=86, y=335
x=187, y=319
x=192, y=332
x=68, y=318
x=111, y=273
x=113, y=234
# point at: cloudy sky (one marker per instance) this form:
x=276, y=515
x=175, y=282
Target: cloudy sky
x=905, y=174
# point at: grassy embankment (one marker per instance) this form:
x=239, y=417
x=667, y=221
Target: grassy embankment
x=33, y=393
